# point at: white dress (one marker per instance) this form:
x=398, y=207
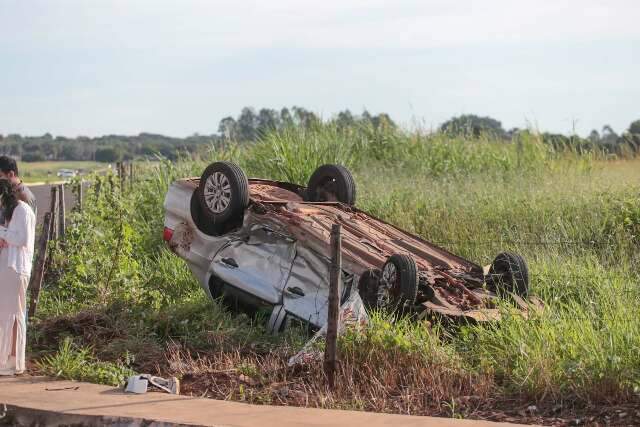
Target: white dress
x=15, y=270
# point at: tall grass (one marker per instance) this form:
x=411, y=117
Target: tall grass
x=580, y=349
x=292, y=154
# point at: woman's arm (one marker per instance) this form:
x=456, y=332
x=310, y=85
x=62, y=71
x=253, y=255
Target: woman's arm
x=17, y=233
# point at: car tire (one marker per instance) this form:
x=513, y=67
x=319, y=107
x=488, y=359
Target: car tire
x=202, y=222
x=331, y=183
x=399, y=282
x=509, y=274
x=368, y=285
x=223, y=192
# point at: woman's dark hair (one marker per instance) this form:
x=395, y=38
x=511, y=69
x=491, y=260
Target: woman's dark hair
x=8, y=164
x=8, y=198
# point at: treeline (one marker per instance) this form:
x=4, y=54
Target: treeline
x=471, y=126
x=108, y=148
x=250, y=124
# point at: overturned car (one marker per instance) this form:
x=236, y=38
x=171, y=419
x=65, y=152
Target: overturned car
x=265, y=244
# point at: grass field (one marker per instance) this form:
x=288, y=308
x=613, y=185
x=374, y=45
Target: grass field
x=47, y=171
x=126, y=303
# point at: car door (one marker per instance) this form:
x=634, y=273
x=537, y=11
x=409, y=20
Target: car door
x=306, y=292
x=257, y=264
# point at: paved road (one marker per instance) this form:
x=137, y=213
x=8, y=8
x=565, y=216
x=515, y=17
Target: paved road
x=38, y=400
x=43, y=199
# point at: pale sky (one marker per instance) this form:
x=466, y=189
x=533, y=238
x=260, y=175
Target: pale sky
x=92, y=67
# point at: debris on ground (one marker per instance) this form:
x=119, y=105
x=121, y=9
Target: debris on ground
x=139, y=384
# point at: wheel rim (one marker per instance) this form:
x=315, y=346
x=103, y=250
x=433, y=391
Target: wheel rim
x=390, y=274
x=387, y=290
x=217, y=192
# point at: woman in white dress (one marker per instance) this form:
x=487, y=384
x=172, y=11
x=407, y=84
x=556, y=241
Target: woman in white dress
x=17, y=237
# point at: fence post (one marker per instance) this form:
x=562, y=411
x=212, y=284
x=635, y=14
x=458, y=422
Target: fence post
x=122, y=174
x=331, y=349
x=62, y=212
x=41, y=260
x=98, y=184
x=131, y=175
x=53, y=209
x=80, y=196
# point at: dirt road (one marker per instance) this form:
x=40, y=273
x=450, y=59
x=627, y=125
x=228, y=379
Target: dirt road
x=43, y=199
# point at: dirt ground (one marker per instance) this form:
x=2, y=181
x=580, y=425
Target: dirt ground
x=216, y=384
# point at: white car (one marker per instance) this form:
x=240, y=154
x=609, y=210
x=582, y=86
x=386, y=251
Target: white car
x=265, y=244
x=67, y=173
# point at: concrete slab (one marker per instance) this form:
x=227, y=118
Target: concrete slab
x=44, y=402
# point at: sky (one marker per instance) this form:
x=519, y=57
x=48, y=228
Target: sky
x=94, y=67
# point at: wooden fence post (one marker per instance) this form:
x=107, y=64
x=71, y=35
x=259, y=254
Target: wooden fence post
x=54, y=212
x=98, y=184
x=80, y=196
x=41, y=260
x=331, y=349
x=62, y=212
x=122, y=174
x=131, y=175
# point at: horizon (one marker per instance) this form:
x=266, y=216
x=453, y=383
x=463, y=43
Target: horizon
x=412, y=128
x=177, y=68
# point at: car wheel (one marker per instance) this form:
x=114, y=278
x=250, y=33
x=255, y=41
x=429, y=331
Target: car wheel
x=223, y=192
x=368, y=288
x=203, y=223
x=399, y=282
x=509, y=274
x=332, y=183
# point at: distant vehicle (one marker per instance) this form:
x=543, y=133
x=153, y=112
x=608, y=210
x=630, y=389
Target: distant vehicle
x=67, y=173
x=265, y=244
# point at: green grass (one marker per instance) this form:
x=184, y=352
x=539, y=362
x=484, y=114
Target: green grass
x=32, y=172
x=77, y=363
x=575, y=218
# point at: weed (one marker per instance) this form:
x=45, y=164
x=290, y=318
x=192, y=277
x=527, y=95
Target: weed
x=77, y=363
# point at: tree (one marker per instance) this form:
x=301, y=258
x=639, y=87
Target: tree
x=108, y=155
x=383, y=121
x=228, y=128
x=72, y=151
x=470, y=125
x=634, y=128
x=345, y=119
x=268, y=120
x=247, y=124
x=285, y=117
x=35, y=156
x=609, y=139
x=365, y=118
x=304, y=118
